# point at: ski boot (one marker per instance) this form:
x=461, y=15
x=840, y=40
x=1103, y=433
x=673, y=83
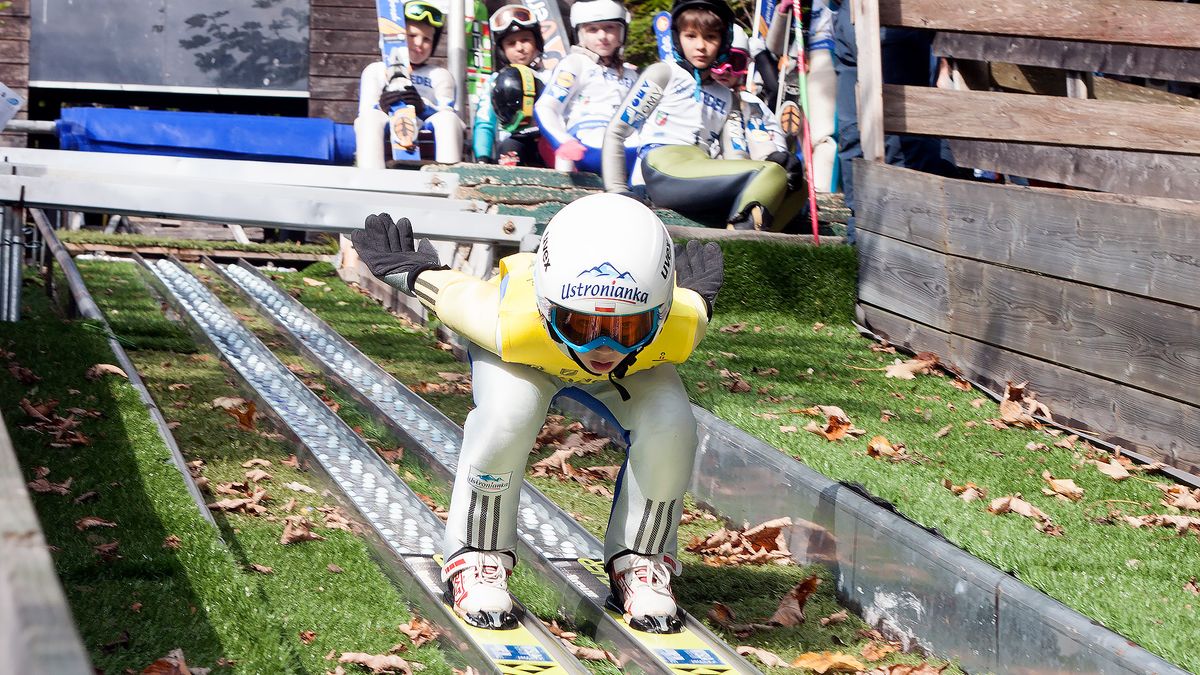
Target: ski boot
x=640, y=588
x=477, y=588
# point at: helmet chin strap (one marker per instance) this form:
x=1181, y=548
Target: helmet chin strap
x=618, y=372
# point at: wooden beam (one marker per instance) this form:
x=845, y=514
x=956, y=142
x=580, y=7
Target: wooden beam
x=1049, y=82
x=869, y=89
x=1134, y=22
x=1136, y=173
x=982, y=115
x=1162, y=428
x=909, y=280
x=1182, y=65
x=1089, y=238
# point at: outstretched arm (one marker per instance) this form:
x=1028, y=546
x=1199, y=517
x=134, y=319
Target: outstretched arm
x=643, y=98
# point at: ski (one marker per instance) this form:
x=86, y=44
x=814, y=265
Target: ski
x=393, y=46
x=662, y=36
x=554, y=31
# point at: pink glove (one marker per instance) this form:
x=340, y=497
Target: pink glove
x=571, y=150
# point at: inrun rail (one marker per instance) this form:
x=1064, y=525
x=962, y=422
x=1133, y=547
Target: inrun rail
x=542, y=525
x=404, y=531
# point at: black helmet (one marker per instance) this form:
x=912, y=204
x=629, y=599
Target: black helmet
x=718, y=7
x=513, y=94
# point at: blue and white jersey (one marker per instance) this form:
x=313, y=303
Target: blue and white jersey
x=581, y=98
x=436, y=87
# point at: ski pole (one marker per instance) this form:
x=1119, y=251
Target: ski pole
x=806, y=142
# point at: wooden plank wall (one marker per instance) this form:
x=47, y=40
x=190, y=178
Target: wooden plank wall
x=342, y=41
x=1096, y=302
x=14, y=61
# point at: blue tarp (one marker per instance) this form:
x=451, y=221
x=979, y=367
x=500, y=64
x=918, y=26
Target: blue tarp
x=211, y=135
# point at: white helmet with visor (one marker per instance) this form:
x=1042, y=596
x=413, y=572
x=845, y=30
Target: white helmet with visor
x=605, y=274
x=593, y=11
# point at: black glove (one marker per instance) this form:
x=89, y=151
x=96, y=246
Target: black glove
x=701, y=268
x=794, y=167
x=388, y=249
x=407, y=95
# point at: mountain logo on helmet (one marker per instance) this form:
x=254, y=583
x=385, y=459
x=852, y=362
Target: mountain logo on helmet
x=606, y=270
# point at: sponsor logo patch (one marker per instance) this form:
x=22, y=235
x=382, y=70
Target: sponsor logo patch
x=565, y=79
x=489, y=482
x=605, y=282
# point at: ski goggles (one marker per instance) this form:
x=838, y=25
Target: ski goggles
x=509, y=16
x=584, y=332
x=736, y=63
x=423, y=11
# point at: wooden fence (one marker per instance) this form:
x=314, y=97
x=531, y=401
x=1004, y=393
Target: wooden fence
x=1094, y=298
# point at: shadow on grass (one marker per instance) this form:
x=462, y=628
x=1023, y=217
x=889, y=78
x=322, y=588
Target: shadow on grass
x=138, y=488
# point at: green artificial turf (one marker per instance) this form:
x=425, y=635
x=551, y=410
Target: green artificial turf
x=202, y=598
x=99, y=237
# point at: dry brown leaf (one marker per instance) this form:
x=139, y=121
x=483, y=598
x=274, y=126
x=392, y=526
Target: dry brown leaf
x=767, y=658
x=312, y=282
x=107, y=551
x=307, y=636
x=883, y=348
x=720, y=614
x=758, y=545
x=873, y=651
x=90, y=496
x=1018, y=406
x=88, y=522
x=589, y=653
x=299, y=487
x=960, y=384
x=23, y=374
x=244, y=416
x=1064, y=488
x=908, y=370
x=828, y=662
x=835, y=618
x=171, y=664
x=228, y=402
x=880, y=447
x=101, y=369
x=968, y=492
x=943, y=431
x=909, y=669
x=1192, y=587
x=733, y=328
x=291, y=461
x=298, y=528
x=1112, y=468
x=1067, y=442
x=172, y=542
x=256, y=475
x=256, y=462
x=791, y=609
x=555, y=465
x=419, y=631
x=977, y=403
x=44, y=486
x=817, y=326
x=1014, y=504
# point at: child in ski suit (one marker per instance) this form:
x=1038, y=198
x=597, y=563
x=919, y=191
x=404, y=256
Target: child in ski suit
x=685, y=118
x=431, y=90
x=602, y=312
x=517, y=36
x=586, y=86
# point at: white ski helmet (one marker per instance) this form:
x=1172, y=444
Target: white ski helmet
x=605, y=274
x=592, y=11
x=740, y=39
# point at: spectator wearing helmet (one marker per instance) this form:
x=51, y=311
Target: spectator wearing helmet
x=763, y=134
x=429, y=89
x=511, y=96
x=685, y=119
x=586, y=86
x=602, y=313
x=517, y=40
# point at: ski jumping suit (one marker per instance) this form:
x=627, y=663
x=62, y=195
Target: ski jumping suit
x=436, y=87
x=763, y=133
x=517, y=369
x=486, y=134
x=683, y=125
x=581, y=97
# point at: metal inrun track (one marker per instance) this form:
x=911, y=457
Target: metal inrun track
x=541, y=524
x=404, y=531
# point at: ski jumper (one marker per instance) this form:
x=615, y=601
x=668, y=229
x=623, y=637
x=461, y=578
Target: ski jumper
x=685, y=123
x=486, y=134
x=581, y=97
x=517, y=369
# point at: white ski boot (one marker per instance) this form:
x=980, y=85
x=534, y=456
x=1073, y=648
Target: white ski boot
x=641, y=589
x=477, y=588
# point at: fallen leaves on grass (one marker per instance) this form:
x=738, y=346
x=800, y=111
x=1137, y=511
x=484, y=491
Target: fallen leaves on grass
x=261, y=569
x=298, y=528
x=419, y=631
x=923, y=364
x=690, y=515
x=880, y=447
x=299, y=487
x=758, y=545
x=835, y=618
x=22, y=374
x=172, y=542
x=909, y=669
x=1062, y=488
x=1018, y=406
x=874, y=651
x=107, y=552
x=255, y=475
x=1112, y=468
x=791, y=608
x=173, y=663
x=312, y=282
x=307, y=636
x=256, y=462
x=828, y=662
x=1014, y=504
x=438, y=511
x=1179, y=497
x=335, y=519
x=1192, y=587
x=250, y=505
x=837, y=422
x=1182, y=524
x=767, y=658
x=943, y=431
x=64, y=431
x=733, y=327
x=101, y=369
x=723, y=616
x=968, y=492
x=45, y=486
x=960, y=384
x=88, y=522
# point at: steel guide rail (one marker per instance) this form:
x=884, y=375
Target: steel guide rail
x=405, y=532
x=542, y=525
